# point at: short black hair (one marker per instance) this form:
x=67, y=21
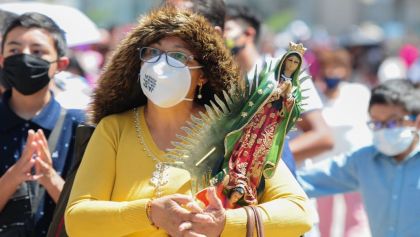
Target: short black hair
x=213, y=10
x=37, y=20
x=5, y=18
x=400, y=92
x=247, y=15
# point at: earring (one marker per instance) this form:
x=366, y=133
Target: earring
x=199, y=96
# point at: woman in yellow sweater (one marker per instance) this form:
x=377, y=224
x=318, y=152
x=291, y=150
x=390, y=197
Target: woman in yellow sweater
x=164, y=71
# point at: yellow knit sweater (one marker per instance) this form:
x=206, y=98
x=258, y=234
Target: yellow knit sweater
x=112, y=187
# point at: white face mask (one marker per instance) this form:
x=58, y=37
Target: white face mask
x=163, y=84
x=393, y=141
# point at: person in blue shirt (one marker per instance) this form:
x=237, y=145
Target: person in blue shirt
x=32, y=170
x=387, y=173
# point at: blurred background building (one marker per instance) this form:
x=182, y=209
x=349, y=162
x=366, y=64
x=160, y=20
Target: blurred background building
x=371, y=30
x=338, y=17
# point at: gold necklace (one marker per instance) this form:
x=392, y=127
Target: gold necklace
x=160, y=175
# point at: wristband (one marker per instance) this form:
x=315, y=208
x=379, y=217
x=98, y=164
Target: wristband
x=149, y=213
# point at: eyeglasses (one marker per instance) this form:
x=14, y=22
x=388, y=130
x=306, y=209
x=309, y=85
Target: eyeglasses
x=152, y=55
x=393, y=123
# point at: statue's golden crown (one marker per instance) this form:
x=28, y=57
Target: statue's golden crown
x=297, y=48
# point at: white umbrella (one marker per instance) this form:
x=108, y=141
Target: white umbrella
x=78, y=27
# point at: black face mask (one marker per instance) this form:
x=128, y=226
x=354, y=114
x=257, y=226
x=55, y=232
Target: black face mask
x=236, y=49
x=26, y=73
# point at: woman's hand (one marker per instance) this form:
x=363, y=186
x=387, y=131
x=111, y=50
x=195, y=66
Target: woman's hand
x=209, y=223
x=168, y=212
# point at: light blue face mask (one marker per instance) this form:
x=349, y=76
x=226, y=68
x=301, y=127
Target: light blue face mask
x=393, y=141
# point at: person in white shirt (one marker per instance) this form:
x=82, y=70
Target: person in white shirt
x=345, y=111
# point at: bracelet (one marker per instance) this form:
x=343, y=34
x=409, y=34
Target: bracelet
x=149, y=213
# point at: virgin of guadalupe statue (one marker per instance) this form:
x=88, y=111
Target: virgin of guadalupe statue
x=238, y=142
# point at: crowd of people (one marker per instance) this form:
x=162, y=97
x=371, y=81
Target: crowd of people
x=303, y=133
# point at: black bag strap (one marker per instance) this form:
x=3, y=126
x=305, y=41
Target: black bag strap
x=57, y=227
x=52, y=144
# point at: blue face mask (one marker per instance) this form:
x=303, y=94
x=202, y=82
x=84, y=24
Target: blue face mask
x=332, y=82
x=393, y=141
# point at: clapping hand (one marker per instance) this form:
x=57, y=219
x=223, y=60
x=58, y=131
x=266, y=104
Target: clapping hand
x=43, y=166
x=45, y=173
x=21, y=170
x=35, y=155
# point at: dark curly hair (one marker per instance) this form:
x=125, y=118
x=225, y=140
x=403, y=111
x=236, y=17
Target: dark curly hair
x=118, y=89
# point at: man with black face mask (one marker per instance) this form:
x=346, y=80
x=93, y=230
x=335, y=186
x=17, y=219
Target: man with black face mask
x=242, y=30
x=36, y=134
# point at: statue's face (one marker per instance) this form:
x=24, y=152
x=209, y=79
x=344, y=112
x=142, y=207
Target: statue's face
x=292, y=64
x=236, y=196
